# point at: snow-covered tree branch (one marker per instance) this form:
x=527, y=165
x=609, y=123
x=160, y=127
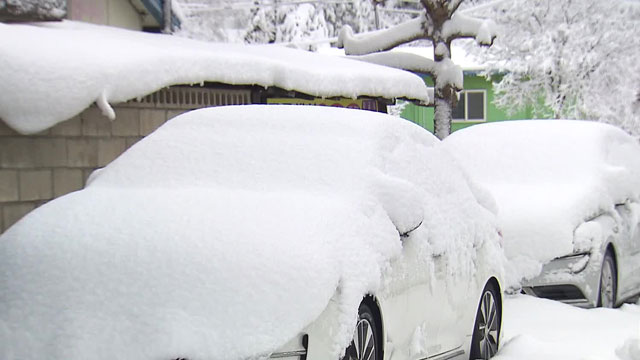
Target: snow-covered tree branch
x=381, y=40
x=461, y=26
x=440, y=25
x=398, y=60
x=569, y=59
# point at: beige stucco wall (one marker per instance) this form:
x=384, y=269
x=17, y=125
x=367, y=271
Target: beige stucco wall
x=37, y=168
x=119, y=13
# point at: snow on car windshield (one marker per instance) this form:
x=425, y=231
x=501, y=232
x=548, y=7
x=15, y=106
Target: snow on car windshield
x=228, y=230
x=548, y=176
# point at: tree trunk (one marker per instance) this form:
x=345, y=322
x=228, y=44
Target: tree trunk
x=442, y=115
x=444, y=94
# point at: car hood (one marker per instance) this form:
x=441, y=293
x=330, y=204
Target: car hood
x=195, y=273
x=539, y=223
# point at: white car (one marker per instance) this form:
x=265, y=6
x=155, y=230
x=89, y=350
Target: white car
x=568, y=196
x=250, y=232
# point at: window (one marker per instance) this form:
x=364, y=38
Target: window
x=471, y=106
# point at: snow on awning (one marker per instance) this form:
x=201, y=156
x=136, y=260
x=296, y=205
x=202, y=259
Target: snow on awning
x=53, y=71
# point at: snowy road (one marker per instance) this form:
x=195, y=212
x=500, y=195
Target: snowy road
x=543, y=329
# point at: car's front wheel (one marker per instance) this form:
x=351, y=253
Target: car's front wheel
x=486, y=332
x=364, y=345
x=608, y=282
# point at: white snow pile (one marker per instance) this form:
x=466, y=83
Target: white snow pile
x=535, y=328
x=51, y=72
x=548, y=177
x=228, y=230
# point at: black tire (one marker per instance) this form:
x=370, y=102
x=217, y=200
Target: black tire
x=366, y=339
x=486, y=330
x=608, y=282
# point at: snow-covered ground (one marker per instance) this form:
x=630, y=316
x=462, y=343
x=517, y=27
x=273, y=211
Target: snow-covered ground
x=536, y=328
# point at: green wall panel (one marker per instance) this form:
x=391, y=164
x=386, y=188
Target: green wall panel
x=423, y=115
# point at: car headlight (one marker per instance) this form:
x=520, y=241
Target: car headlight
x=586, y=235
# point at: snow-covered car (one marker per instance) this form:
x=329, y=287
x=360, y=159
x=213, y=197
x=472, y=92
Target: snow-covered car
x=567, y=195
x=260, y=231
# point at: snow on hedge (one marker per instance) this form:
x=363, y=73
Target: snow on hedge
x=51, y=72
x=548, y=176
x=228, y=230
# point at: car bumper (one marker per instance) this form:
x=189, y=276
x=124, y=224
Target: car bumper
x=296, y=349
x=572, y=279
x=315, y=341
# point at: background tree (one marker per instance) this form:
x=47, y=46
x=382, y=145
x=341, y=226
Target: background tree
x=567, y=58
x=213, y=20
x=272, y=21
x=440, y=24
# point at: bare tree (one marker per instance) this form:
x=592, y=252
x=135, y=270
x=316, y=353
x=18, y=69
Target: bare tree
x=440, y=24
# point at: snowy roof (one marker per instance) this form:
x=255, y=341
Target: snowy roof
x=53, y=71
x=547, y=177
x=459, y=55
x=221, y=209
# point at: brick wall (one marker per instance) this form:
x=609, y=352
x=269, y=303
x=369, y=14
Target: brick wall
x=37, y=168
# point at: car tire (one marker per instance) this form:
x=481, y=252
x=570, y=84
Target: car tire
x=365, y=343
x=608, y=282
x=486, y=330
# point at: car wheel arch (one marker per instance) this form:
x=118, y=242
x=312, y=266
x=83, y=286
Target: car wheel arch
x=493, y=281
x=372, y=302
x=610, y=248
x=491, y=285
x=496, y=284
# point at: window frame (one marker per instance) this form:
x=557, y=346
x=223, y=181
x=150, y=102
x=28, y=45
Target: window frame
x=466, y=119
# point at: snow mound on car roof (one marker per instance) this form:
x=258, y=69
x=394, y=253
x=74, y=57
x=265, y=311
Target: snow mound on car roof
x=547, y=177
x=227, y=231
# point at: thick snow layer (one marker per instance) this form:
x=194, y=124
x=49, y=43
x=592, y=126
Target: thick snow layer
x=536, y=328
x=484, y=31
x=548, y=177
x=379, y=40
x=228, y=230
x=418, y=56
x=51, y=72
x=447, y=70
x=458, y=55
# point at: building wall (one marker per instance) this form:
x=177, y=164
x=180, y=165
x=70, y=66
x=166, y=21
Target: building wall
x=423, y=115
x=37, y=168
x=119, y=13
